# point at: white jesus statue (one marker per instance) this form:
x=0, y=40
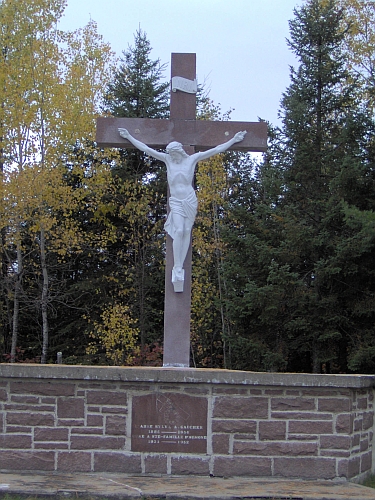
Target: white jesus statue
x=183, y=201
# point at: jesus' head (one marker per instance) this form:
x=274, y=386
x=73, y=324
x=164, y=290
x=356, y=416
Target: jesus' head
x=176, y=150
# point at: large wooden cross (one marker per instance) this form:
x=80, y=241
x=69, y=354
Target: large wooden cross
x=194, y=135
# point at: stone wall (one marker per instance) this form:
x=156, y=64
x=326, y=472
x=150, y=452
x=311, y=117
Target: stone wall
x=75, y=418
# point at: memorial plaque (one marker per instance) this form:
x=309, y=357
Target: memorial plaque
x=169, y=423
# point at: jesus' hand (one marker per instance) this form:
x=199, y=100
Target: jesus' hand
x=124, y=133
x=240, y=136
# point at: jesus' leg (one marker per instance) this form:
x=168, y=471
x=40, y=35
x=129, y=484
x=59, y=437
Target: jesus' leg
x=185, y=242
x=181, y=242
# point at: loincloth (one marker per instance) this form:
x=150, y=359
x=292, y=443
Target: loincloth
x=187, y=208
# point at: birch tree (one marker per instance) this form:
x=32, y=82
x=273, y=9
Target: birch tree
x=360, y=44
x=51, y=83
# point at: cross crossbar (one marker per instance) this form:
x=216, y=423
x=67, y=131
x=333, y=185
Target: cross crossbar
x=201, y=134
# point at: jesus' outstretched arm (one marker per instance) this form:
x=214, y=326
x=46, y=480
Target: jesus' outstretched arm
x=140, y=145
x=203, y=155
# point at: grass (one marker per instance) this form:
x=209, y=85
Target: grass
x=369, y=481
x=8, y=496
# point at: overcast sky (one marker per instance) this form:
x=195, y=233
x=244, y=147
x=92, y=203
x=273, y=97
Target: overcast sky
x=241, y=49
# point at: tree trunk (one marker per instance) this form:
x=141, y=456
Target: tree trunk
x=44, y=299
x=16, y=303
x=4, y=261
x=218, y=256
x=315, y=357
x=141, y=293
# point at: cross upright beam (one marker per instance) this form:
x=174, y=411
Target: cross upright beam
x=177, y=306
x=194, y=135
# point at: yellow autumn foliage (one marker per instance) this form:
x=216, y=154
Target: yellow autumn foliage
x=116, y=334
x=50, y=83
x=360, y=44
x=207, y=325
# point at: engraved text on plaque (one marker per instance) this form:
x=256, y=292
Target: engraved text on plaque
x=169, y=422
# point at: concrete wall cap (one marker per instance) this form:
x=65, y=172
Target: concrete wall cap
x=182, y=375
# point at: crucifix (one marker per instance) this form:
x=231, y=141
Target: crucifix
x=183, y=135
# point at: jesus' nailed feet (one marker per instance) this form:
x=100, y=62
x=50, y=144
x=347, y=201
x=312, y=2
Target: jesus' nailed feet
x=178, y=277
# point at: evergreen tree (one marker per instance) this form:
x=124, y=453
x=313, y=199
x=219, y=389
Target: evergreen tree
x=257, y=288
x=328, y=163
x=136, y=90
x=307, y=282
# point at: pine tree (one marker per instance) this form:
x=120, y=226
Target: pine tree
x=301, y=282
x=328, y=163
x=136, y=90
x=257, y=285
